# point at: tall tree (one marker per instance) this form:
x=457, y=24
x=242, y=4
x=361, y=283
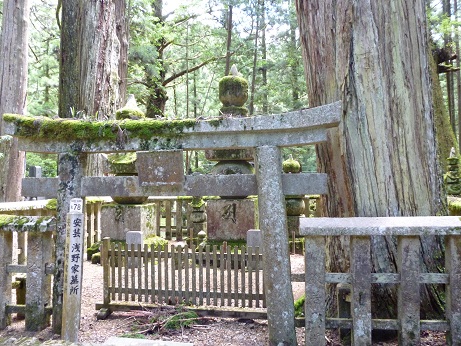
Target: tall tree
x=89, y=87
x=13, y=88
x=382, y=160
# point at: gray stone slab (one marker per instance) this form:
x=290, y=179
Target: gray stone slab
x=46, y=187
x=204, y=185
x=307, y=126
x=134, y=237
x=118, y=219
x=254, y=238
x=230, y=219
x=115, y=341
x=164, y=167
x=368, y=226
x=31, y=224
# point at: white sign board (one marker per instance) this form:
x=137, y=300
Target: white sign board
x=73, y=271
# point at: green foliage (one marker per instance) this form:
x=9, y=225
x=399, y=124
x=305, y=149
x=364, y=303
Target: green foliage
x=133, y=336
x=156, y=241
x=48, y=162
x=181, y=319
x=299, y=306
x=52, y=204
x=93, y=249
x=43, y=79
x=164, y=47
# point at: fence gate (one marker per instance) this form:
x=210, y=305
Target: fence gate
x=202, y=276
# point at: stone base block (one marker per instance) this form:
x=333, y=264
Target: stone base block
x=254, y=238
x=230, y=219
x=118, y=219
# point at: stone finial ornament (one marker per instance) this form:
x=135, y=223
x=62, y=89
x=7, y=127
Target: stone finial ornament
x=130, y=110
x=233, y=93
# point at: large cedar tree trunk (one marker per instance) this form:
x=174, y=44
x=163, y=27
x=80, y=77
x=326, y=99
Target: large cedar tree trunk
x=89, y=87
x=382, y=160
x=13, y=88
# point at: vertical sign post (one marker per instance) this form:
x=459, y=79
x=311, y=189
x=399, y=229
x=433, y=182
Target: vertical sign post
x=73, y=269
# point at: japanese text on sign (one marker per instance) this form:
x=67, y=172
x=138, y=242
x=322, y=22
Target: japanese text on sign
x=75, y=254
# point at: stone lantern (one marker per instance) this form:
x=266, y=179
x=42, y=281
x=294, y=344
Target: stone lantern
x=231, y=216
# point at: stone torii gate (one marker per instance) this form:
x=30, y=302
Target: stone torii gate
x=159, y=144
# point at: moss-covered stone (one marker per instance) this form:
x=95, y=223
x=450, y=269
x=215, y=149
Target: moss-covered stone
x=197, y=203
x=52, y=204
x=454, y=206
x=233, y=91
x=129, y=113
x=94, y=248
x=96, y=258
x=299, y=306
x=69, y=130
x=291, y=166
x=122, y=163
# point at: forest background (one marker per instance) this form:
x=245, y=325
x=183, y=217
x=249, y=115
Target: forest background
x=186, y=48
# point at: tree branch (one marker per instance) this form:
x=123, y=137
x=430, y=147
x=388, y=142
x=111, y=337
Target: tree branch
x=192, y=69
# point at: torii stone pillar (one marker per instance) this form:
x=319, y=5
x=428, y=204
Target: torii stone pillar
x=276, y=256
x=71, y=168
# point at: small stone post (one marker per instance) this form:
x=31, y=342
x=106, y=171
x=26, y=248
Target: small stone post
x=6, y=255
x=276, y=257
x=38, y=284
x=73, y=271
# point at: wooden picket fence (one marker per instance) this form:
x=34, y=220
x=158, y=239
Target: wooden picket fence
x=211, y=276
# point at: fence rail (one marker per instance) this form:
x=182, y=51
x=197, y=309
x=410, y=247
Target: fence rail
x=407, y=231
x=197, y=275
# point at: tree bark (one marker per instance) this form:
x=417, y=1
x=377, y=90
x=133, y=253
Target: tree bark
x=69, y=68
x=382, y=160
x=89, y=87
x=99, y=50
x=122, y=29
x=13, y=88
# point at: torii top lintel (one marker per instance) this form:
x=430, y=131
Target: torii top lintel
x=41, y=134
